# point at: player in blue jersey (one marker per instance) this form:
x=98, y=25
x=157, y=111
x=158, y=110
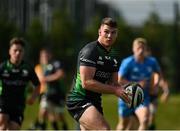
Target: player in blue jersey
x=15, y=74
x=138, y=68
x=97, y=73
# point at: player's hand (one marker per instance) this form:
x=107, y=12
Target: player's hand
x=43, y=80
x=143, y=83
x=164, y=98
x=120, y=92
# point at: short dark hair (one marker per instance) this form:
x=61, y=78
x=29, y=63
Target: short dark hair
x=17, y=40
x=109, y=21
x=46, y=49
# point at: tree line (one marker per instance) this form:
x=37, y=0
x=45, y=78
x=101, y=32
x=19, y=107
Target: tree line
x=66, y=37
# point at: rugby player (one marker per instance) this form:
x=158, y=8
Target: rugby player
x=97, y=73
x=138, y=68
x=53, y=97
x=15, y=75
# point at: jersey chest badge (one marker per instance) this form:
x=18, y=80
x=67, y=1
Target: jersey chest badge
x=25, y=72
x=100, y=61
x=107, y=57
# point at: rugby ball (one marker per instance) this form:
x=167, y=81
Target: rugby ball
x=135, y=93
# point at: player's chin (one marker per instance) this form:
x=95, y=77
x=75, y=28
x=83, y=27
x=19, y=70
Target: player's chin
x=109, y=43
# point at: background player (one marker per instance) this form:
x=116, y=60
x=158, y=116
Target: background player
x=138, y=68
x=154, y=92
x=53, y=99
x=15, y=75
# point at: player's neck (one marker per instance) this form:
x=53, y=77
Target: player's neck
x=103, y=45
x=139, y=59
x=14, y=62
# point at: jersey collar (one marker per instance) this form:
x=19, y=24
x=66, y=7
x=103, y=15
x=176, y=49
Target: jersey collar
x=103, y=47
x=9, y=64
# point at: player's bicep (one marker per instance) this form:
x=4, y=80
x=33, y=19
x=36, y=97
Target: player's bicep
x=86, y=74
x=124, y=69
x=114, y=78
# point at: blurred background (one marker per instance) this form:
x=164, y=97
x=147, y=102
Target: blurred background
x=66, y=25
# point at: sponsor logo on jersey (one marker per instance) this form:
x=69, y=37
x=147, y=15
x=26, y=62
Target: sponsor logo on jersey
x=15, y=70
x=103, y=74
x=5, y=73
x=14, y=82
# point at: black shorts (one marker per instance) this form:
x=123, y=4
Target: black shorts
x=56, y=99
x=14, y=114
x=77, y=108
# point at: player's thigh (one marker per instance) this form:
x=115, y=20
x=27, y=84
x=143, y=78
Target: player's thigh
x=4, y=118
x=142, y=113
x=124, y=123
x=134, y=124
x=13, y=125
x=93, y=119
x=153, y=108
x=43, y=109
x=125, y=114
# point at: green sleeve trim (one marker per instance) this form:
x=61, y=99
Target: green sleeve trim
x=1, y=88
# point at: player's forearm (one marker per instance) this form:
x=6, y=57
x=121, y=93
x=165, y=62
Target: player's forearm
x=55, y=76
x=165, y=87
x=36, y=92
x=34, y=95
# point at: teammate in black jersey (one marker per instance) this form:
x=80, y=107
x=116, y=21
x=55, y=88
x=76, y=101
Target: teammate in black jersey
x=51, y=74
x=14, y=77
x=96, y=74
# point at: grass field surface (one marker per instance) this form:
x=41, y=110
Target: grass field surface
x=167, y=115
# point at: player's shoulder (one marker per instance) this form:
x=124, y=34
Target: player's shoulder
x=90, y=46
x=26, y=65
x=89, y=50
x=151, y=59
x=57, y=63
x=128, y=59
x=38, y=67
x=3, y=64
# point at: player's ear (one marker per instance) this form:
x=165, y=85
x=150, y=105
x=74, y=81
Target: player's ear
x=9, y=51
x=99, y=31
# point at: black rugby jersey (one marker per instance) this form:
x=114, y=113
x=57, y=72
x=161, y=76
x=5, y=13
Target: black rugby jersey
x=13, y=83
x=94, y=55
x=55, y=87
